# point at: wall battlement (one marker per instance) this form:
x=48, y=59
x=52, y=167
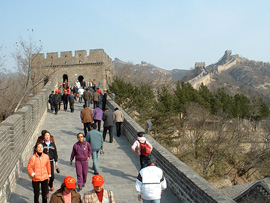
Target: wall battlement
x=67, y=57
x=97, y=65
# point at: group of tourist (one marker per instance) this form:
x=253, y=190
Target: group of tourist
x=150, y=181
x=41, y=170
x=66, y=94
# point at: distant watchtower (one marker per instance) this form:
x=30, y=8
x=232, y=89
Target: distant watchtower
x=199, y=66
x=98, y=65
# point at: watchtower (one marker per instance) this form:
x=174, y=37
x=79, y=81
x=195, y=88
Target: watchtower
x=97, y=65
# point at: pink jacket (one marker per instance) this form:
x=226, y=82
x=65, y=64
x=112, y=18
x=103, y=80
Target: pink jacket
x=136, y=147
x=42, y=167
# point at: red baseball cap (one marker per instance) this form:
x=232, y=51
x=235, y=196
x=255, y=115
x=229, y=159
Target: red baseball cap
x=97, y=180
x=70, y=182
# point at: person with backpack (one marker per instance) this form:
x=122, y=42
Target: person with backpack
x=39, y=169
x=142, y=147
x=82, y=152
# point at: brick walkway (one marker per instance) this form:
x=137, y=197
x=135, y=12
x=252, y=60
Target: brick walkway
x=119, y=165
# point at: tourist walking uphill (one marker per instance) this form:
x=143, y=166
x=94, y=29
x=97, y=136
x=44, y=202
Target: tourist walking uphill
x=80, y=91
x=142, y=147
x=65, y=100
x=51, y=100
x=95, y=139
x=118, y=118
x=96, y=98
x=108, y=124
x=82, y=152
x=87, y=118
x=150, y=182
x=39, y=169
x=71, y=100
x=104, y=100
x=56, y=101
x=86, y=96
x=49, y=148
x=97, y=116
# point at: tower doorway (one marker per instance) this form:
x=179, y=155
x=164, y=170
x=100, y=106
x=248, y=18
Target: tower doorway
x=65, y=81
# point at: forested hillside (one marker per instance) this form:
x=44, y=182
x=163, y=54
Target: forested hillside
x=219, y=135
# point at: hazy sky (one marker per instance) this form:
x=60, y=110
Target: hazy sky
x=169, y=34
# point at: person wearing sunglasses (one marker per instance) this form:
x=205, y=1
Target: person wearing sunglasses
x=82, y=152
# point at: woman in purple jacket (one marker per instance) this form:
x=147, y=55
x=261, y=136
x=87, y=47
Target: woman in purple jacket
x=97, y=116
x=82, y=152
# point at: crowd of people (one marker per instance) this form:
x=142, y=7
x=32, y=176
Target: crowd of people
x=41, y=166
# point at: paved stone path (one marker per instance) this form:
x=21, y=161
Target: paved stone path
x=119, y=165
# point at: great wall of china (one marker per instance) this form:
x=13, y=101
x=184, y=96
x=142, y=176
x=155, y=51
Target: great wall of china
x=19, y=131
x=205, y=76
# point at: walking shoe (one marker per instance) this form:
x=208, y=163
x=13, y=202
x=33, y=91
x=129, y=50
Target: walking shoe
x=79, y=189
x=47, y=195
x=51, y=189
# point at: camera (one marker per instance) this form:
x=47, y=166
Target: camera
x=58, y=170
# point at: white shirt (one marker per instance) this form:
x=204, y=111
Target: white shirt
x=150, y=182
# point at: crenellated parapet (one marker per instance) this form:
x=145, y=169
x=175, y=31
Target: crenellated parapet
x=68, y=58
x=95, y=65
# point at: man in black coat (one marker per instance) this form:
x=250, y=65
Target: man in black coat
x=56, y=101
x=108, y=124
x=104, y=100
x=51, y=100
x=71, y=98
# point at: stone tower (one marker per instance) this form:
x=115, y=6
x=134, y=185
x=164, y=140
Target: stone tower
x=98, y=65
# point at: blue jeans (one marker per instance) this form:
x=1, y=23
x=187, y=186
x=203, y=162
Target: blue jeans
x=151, y=201
x=95, y=160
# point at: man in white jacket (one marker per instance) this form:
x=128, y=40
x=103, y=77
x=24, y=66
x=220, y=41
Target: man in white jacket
x=150, y=183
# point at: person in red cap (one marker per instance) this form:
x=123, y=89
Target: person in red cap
x=67, y=192
x=98, y=194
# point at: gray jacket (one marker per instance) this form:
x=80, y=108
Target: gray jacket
x=95, y=139
x=108, y=118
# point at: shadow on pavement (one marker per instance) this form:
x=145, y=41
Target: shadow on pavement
x=118, y=173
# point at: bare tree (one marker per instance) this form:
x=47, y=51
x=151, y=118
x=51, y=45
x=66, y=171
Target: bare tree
x=195, y=125
x=24, y=56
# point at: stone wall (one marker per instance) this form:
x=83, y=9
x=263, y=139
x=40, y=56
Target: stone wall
x=227, y=65
x=187, y=185
x=97, y=65
x=18, y=134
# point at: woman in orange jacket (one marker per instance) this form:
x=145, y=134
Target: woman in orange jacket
x=39, y=169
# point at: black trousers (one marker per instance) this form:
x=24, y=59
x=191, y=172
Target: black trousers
x=118, y=128
x=103, y=106
x=142, y=160
x=71, y=105
x=52, y=174
x=86, y=126
x=44, y=189
x=98, y=122
x=95, y=104
x=65, y=104
x=110, y=128
x=51, y=104
x=56, y=108
x=86, y=102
